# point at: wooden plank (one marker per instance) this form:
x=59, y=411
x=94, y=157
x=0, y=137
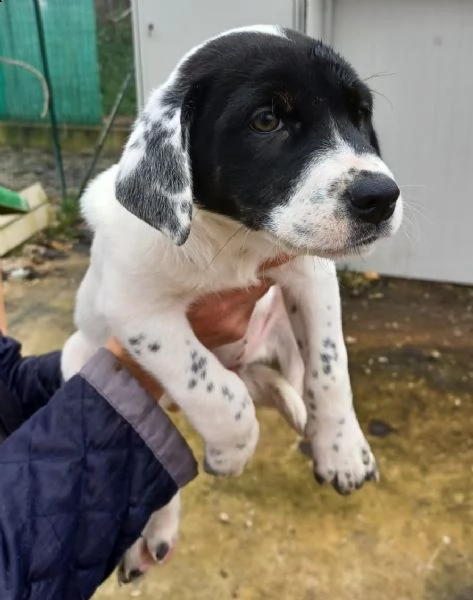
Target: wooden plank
x=16, y=229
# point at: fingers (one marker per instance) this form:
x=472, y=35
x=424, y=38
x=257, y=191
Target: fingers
x=151, y=386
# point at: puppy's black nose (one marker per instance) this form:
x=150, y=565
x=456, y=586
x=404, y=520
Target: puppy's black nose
x=373, y=197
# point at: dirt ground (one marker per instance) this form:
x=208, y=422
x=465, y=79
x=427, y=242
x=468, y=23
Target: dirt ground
x=20, y=168
x=286, y=538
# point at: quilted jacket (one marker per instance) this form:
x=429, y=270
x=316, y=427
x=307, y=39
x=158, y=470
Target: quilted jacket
x=82, y=466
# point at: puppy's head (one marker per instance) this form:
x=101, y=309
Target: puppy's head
x=271, y=129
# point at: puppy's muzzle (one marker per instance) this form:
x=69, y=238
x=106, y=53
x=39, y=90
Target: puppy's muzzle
x=372, y=197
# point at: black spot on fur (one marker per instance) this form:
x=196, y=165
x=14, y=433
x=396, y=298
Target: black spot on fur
x=192, y=383
x=334, y=188
x=311, y=394
x=329, y=343
x=186, y=208
x=335, y=447
x=226, y=393
x=154, y=347
x=238, y=416
x=210, y=387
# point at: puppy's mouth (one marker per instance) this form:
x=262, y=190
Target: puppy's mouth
x=356, y=244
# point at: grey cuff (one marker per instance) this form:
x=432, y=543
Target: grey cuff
x=115, y=384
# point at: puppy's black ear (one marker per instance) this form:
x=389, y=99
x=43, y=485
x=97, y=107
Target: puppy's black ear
x=154, y=173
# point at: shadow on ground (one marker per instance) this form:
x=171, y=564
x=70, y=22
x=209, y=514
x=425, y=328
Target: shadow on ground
x=408, y=538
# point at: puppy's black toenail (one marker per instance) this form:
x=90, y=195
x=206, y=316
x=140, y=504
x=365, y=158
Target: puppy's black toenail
x=305, y=448
x=319, y=479
x=208, y=469
x=338, y=488
x=133, y=575
x=162, y=551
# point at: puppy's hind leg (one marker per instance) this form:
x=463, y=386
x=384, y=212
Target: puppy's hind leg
x=269, y=388
x=155, y=544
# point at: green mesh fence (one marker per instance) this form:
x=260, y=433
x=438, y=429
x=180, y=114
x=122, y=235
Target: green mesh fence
x=72, y=55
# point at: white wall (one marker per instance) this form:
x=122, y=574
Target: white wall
x=420, y=54
x=423, y=52
x=165, y=30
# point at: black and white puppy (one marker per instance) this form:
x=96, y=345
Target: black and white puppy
x=260, y=143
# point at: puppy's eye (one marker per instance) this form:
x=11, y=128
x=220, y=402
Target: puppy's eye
x=265, y=121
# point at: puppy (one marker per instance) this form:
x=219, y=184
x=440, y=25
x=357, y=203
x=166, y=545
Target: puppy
x=259, y=144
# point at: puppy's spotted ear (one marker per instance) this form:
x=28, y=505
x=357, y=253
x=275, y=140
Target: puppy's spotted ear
x=154, y=174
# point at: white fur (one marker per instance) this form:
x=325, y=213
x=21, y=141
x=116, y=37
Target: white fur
x=310, y=218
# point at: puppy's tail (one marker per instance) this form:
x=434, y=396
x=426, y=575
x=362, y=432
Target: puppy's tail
x=268, y=387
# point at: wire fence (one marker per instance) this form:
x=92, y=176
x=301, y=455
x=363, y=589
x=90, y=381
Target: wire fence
x=115, y=53
x=89, y=48
x=67, y=64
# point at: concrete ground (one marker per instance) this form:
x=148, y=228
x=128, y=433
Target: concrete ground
x=286, y=538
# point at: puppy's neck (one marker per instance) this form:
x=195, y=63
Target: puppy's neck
x=216, y=239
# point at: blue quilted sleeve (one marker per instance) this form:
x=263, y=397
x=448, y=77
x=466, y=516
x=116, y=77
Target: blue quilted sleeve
x=30, y=383
x=78, y=481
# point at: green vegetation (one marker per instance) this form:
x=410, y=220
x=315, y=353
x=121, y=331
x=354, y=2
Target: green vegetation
x=115, y=50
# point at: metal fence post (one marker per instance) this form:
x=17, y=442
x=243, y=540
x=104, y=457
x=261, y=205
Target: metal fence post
x=52, y=110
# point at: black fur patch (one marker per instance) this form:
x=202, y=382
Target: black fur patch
x=236, y=171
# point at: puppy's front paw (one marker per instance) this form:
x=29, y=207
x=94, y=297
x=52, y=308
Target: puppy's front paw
x=342, y=455
x=231, y=458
